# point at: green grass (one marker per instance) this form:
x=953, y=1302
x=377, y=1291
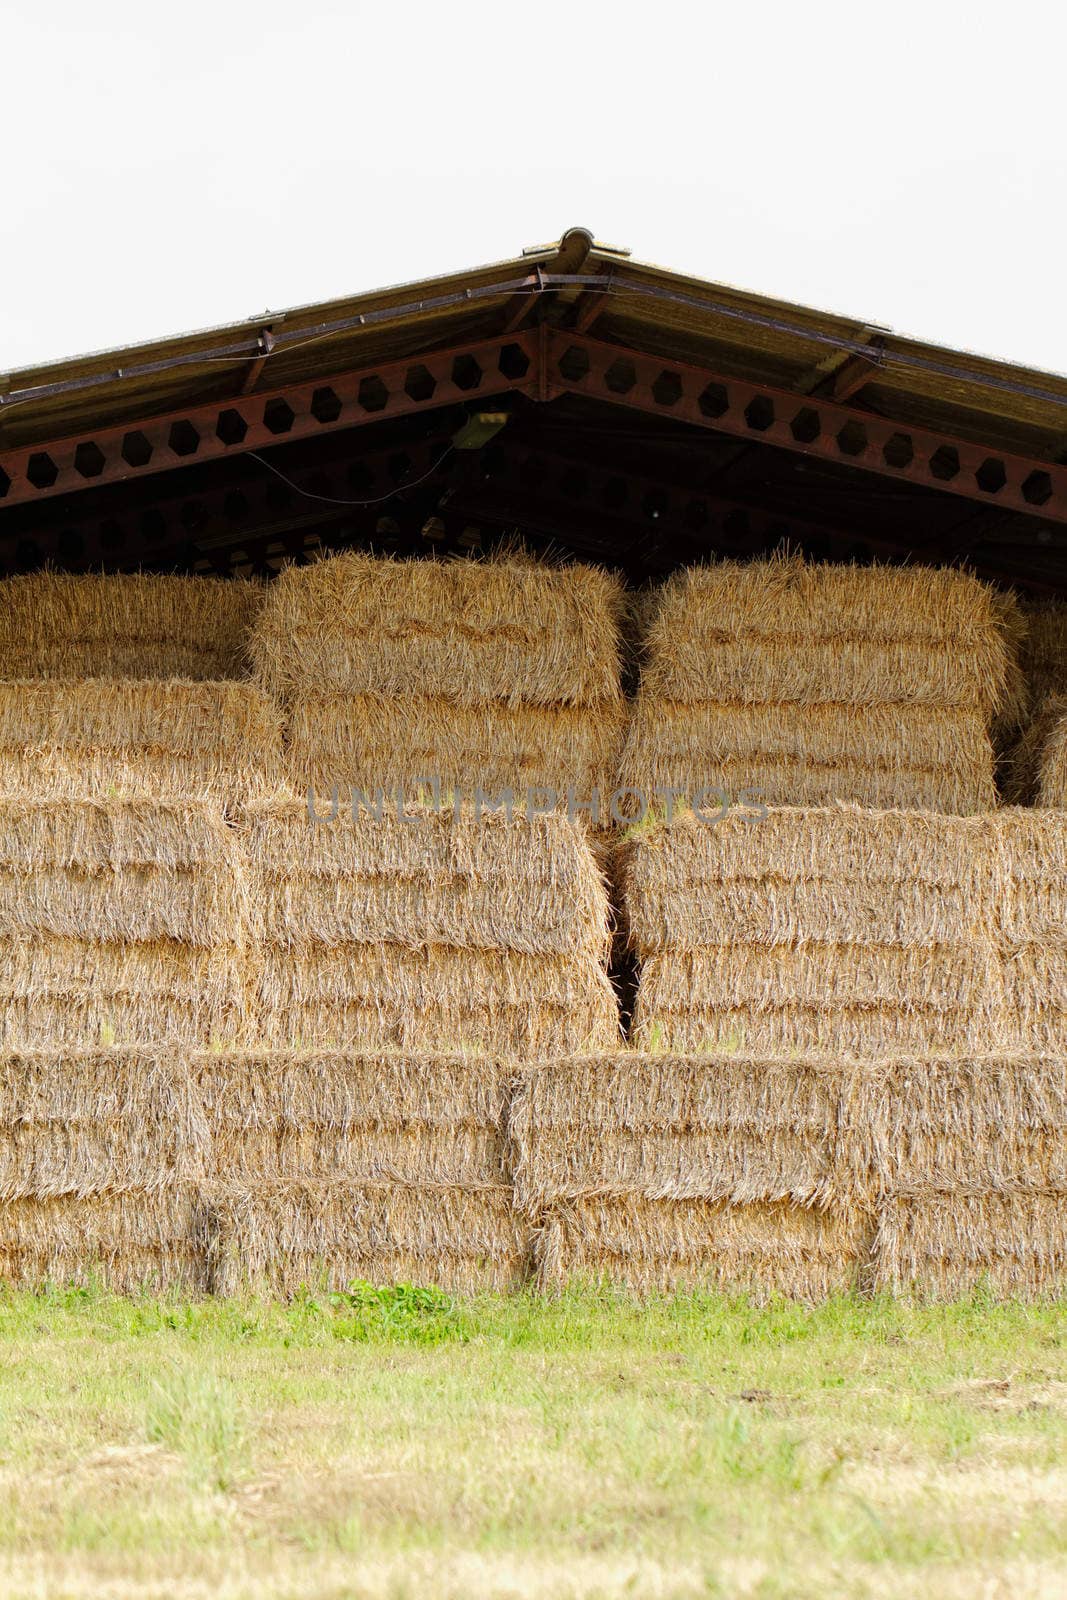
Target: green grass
x=397, y=1443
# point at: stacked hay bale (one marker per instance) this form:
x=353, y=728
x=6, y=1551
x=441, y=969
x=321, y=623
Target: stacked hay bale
x=812, y=684
x=496, y=675
x=120, y=922
x=967, y=1162
x=1044, y=649
x=124, y=686
x=1026, y=908
x=125, y=625
x=423, y=930
x=163, y=739
x=101, y=1154
x=685, y=1172
x=825, y=929
x=332, y=1166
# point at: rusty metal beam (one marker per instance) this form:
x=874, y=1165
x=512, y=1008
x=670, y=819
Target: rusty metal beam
x=541, y=363
x=459, y=375
x=806, y=425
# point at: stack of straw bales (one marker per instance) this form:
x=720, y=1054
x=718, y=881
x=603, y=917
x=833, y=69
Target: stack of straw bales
x=124, y=686
x=813, y=684
x=499, y=674
x=966, y=1161
x=1027, y=913
x=429, y=931
x=683, y=1172
x=120, y=922
x=335, y=1166
x=1044, y=649
x=165, y=739
x=830, y=929
x=101, y=1153
x=126, y=625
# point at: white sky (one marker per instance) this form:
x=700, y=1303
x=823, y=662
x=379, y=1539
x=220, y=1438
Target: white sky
x=176, y=164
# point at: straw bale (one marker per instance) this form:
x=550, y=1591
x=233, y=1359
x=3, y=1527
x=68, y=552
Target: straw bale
x=282, y=1237
x=435, y=999
x=666, y=1245
x=529, y=884
x=471, y=631
x=80, y=1122
x=376, y=741
x=780, y=630
x=993, y=1122
x=1022, y=769
x=857, y=1000
x=1052, y=777
x=939, y=1245
x=127, y=625
x=1034, y=977
x=1027, y=883
x=1044, y=649
x=326, y=1114
x=676, y=1128
x=169, y=740
x=837, y=873
x=114, y=869
x=83, y=992
x=926, y=758
x=128, y=1240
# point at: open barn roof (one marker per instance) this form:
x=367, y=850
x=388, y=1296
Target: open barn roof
x=708, y=403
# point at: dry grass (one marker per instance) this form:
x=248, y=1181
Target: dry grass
x=315, y=1115
x=127, y=1239
x=1044, y=649
x=421, y=877
x=676, y=1128
x=387, y=742
x=1052, y=784
x=941, y=1245
x=83, y=1122
x=167, y=740
x=904, y=756
x=782, y=631
x=507, y=630
x=285, y=1236
x=129, y=625
x=921, y=1125
x=664, y=1246
x=430, y=933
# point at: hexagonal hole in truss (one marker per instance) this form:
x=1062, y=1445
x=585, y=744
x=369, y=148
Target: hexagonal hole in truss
x=278, y=415
x=41, y=470
x=325, y=404
x=373, y=395
x=1037, y=488
x=183, y=438
x=714, y=400
x=991, y=476
x=466, y=373
x=945, y=463
x=620, y=376
x=574, y=364
x=419, y=383
x=759, y=413
x=898, y=451
x=513, y=361
x=136, y=450
x=667, y=389
x=806, y=426
x=231, y=426
x=89, y=459
x=852, y=439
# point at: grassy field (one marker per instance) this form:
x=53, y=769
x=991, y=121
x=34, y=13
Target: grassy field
x=396, y=1444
